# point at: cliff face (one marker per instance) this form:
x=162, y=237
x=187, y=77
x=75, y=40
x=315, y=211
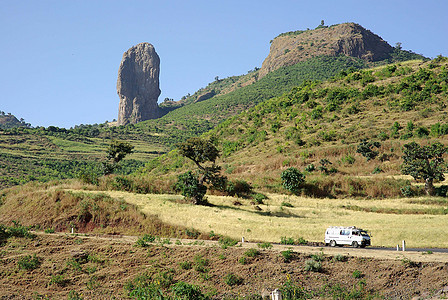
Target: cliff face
x=138, y=85
x=349, y=39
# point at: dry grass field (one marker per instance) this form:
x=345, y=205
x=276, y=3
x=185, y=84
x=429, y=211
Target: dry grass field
x=421, y=222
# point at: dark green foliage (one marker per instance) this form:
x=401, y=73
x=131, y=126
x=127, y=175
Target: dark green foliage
x=252, y=252
x=365, y=148
x=293, y=291
x=239, y=188
x=292, y=179
x=182, y=290
x=425, y=163
x=18, y=230
x=259, y=198
x=29, y=262
x=118, y=150
x=199, y=151
x=357, y=274
x=287, y=255
x=190, y=188
x=265, y=245
x=286, y=241
x=231, y=279
x=226, y=242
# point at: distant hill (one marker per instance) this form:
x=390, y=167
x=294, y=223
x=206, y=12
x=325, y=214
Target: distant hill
x=10, y=121
x=349, y=39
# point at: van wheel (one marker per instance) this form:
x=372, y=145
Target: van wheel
x=355, y=244
x=332, y=243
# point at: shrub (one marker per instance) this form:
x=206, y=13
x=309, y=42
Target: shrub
x=29, y=262
x=286, y=241
x=17, y=230
x=232, y=279
x=59, y=280
x=292, y=179
x=365, y=148
x=287, y=255
x=265, y=245
x=340, y=257
x=182, y=290
x=407, y=191
x=357, y=274
x=226, y=242
x=310, y=168
x=291, y=290
x=240, y=188
x=287, y=204
x=252, y=252
x=302, y=241
x=313, y=266
x=258, y=197
x=185, y=265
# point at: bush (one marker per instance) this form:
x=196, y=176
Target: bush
x=232, y=279
x=226, y=242
x=190, y=188
x=265, y=245
x=239, y=188
x=185, y=265
x=357, y=274
x=292, y=179
x=258, y=197
x=313, y=266
x=29, y=262
x=252, y=252
x=182, y=290
x=287, y=255
x=286, y=241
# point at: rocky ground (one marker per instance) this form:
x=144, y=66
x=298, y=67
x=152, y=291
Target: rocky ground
x=80, y=267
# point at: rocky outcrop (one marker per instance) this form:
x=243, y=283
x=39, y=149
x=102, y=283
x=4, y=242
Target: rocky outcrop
x=138, y=85
x=205, y=96
x=348, y=39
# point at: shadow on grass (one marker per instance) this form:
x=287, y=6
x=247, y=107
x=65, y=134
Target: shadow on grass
x=278, y=214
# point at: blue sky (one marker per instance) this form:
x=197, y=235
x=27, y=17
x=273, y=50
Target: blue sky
x=59, y=59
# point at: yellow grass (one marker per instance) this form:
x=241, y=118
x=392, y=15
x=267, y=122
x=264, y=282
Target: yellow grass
x=308, y=218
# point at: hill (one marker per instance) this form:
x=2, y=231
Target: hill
x=42, y=154
x=393, y=105
x=10, y=121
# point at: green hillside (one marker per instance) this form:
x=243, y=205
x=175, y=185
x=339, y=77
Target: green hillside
x=44, y=154
x=393, y=104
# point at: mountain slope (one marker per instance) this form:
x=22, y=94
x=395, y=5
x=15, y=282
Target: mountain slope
x=394, y=104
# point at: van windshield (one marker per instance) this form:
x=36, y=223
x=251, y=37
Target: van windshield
x=363, y=233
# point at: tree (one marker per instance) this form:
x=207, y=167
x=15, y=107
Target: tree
x=190, y=187
x=365, y=148
x=292, y=179
x=204, y=154
x=116, y=152
x=425, y=163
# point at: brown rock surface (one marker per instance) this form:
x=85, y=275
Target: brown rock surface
x=138, y=85
x=348, y=39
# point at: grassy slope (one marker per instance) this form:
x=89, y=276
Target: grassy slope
x=327, y=120
x=56, y=153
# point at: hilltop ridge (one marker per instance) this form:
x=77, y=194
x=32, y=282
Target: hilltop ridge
x=348, y=39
